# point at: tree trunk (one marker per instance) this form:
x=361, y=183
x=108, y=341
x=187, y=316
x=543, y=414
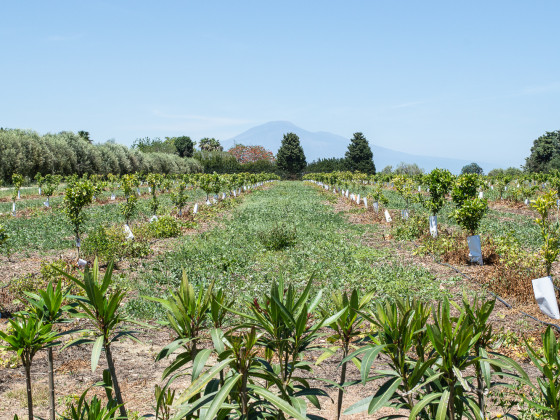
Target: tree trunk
x=51, y=385
x=116, y=387
x=342, y=380
x=27, y=366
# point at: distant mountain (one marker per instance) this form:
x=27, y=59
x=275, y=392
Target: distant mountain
x=322, y=144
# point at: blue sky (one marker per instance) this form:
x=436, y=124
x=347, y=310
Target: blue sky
x=473, y=80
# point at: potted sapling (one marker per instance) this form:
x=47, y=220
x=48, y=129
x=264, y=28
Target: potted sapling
x=77, y=196
x=154, y=182
x=438, y=183
x=404, y=187
x=17, y=180
x=469, y=216
x=51, y=184
x=128, y=207
x=179, y=197
x=550, y=233
x=112, y=185
x=39, y=179
x=377, y=197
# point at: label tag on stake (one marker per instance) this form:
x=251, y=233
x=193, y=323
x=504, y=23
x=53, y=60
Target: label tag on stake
x=388, y=216
x=475, y=250
x=433, y=226
x=546, y=297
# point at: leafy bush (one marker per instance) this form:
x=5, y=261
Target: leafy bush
x=109, y=243
x=277, y=238
x=413, y=228
x=163, y=227
x=470, y=214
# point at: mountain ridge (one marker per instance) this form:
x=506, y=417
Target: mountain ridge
x=323, y=144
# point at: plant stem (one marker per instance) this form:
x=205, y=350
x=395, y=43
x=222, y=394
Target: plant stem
x=116, y=387
x=342, y=380
x=52, y=414
x=27, y=365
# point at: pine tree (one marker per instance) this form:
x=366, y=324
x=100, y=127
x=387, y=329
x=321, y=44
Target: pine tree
x=290, y=157
x=359, y=156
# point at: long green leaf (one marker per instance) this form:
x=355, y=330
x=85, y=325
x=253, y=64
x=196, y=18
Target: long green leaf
x=222, y=395
x=96, y=352
x=285, y=407
x=384, y=394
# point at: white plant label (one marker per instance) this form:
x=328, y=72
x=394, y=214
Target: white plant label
x=14, y=208
x=475, y=250
x=433, y=226
x=195, y=210
x=82, y=263
x=18, y=196
x=365, y=202
x=358, y=199
x=78, y=243
x=526, y=201
x=149, y=189
x=234, y=193
x=347, y=192
x=376, y=206
x=480, y=195
x=39, y=190
x=208, y=203
x=419, y=188
x=546, y=297
x=404, y=214
x=138, y=191
x=388, y=216
x=47, y=203
x=223, y=196
x=492, y=187
x=153, y=218
x=128, y=232
x=112, y=196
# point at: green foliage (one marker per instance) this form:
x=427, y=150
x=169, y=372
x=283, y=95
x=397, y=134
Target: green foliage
x=439, y=181
x=511, y=171
x=465, y=187
x=27, y=335
x=550, y=233
x=405, y=188
x=179, y=196
x=472, y=168
x=279, y=237
x=65, y=153
x=290, y=157
x=184, y=146
x=156, y=145
x=410, y=169
x=210, y=145
x=346, y=329
x=101, y=305
x=109, y=243
x=359, y=156
x=163, y=227
x=154, y=182
x=128, y=208
x=413, y=228
x=17, y=181
x=77, y=196
x=327, y=165
x=470, y=214
x=545, y=153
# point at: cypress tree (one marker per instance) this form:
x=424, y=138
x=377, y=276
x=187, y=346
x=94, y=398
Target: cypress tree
x=359, y=156
x=290, y=157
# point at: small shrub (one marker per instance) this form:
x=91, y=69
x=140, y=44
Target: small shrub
x=109, y=243
x=163, y=227
x=413, y=228
x=279, y=237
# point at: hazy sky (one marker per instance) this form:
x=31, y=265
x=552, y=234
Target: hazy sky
x=476, y=80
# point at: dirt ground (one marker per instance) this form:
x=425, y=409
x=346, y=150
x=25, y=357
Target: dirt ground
x=138, y=372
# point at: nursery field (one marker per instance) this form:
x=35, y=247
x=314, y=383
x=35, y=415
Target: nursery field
x=255, y=305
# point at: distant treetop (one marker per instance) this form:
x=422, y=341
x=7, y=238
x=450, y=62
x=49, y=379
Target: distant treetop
x=472, y=168
x=249, y=154
x=210, y=144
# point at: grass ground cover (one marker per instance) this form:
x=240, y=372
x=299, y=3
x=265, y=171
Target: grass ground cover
x=327, y=247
